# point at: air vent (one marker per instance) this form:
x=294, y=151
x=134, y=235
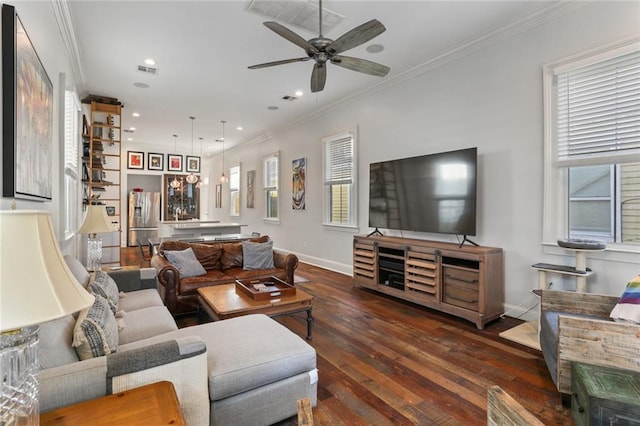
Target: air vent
x=147, y=70
x=298, y=13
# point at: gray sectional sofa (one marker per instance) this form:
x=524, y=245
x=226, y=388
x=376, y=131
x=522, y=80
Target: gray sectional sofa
x=244, y=371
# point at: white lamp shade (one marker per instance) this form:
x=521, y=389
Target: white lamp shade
x=36, y=284
x=96, y=221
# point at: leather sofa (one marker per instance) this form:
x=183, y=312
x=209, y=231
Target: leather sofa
x=249, y=370
x=223, y=263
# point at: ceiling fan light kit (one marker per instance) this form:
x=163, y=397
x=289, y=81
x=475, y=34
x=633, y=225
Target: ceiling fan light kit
x=323, y=50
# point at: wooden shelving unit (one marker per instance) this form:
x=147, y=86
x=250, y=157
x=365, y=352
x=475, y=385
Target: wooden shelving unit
x=101, y=172
x=463, y=281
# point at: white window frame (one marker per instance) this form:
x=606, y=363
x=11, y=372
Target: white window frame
x=234, y=190
x=72, y=149
x=271, y=183
x=556, y=188
x=352, y=224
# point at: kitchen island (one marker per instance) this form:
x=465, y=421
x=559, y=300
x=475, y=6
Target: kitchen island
x=180, y=229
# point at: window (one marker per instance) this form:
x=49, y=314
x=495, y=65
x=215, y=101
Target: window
x=339, y=180
x=270, y=169
x=234, y=190
x=592, y=172
x=72, y=137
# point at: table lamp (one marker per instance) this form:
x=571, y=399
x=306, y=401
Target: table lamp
x=95, y=222
x=36, y=286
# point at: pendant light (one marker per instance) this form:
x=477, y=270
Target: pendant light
x=223, y=178
x=191, y=178
x=175, y=183
x=199, y=184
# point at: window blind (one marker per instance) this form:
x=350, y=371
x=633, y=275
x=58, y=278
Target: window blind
x=598, y=112
x=71, y=133
x=339, y=161
x=271, y=172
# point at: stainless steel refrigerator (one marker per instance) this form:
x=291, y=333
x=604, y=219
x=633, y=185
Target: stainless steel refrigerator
x=144, y=217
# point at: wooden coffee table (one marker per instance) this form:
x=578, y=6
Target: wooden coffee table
x=222, y=302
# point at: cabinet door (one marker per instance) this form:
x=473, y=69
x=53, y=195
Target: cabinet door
x=421, y=274
x=460, y=286
x=182, y=202
x=364, y=263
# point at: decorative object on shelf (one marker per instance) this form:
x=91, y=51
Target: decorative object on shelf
x=34, y=266
x=27, y=115
x=135, y=160
x=193, y=163
x=299, y=172
x=96, y=221
x=154, y=161
x=223, y=178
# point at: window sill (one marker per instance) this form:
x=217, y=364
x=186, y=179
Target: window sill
x=341, y=228
x=274, y=221
x=618, y=253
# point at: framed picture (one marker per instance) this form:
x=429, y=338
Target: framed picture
x=111, y=210
x=219, y=196
x=135, y=160
x=193, y=164
x=27, y=115
x=299, y=183
x=174, y=162
x=155, y=161
x=251, y=183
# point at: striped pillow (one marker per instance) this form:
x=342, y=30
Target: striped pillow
x=628, y=308
x=96, y=330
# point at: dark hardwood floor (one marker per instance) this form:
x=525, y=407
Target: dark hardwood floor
x=383, y=361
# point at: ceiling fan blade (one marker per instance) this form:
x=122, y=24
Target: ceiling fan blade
x=361, y=65
x=274, y=63
x=291, y=36
x=357, y=36
x=318, y=77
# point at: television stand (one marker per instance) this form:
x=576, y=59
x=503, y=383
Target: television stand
x=466, y=282
x=465, y=239
x=375, y=232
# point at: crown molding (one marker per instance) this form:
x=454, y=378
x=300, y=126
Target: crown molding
x=68, y=34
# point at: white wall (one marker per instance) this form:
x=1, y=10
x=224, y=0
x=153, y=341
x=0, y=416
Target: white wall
x=40, y=23
x=491, y=99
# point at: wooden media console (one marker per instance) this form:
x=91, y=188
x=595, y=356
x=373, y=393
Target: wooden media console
x=466, y=281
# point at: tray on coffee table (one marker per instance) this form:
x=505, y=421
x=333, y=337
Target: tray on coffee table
x=264, y=288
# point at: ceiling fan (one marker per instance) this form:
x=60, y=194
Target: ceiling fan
x=323, y=50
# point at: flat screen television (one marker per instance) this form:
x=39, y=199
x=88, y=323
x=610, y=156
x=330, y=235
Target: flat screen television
x=429, y=193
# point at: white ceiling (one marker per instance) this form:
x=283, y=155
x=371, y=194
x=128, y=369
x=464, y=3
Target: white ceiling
x=203, y=48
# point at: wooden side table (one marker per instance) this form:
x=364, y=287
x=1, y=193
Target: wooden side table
x=604, y=395
x=151, y=405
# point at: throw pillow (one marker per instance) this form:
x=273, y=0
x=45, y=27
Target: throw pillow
x=231, y=255
x=185, y=261
x=103, y=285
x=96, y=331
x=628, y=307
x=257, y=255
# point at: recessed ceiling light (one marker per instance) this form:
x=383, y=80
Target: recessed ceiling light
x=141, y=85
x=375, y=48
x=129, y=139
x=272, y=108
x=132, y=129
x=149, y=61
x=239, y=128
x=299, y=93
x=136, y=114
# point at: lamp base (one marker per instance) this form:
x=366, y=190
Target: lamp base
x=19, y=377
x=94, y=253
